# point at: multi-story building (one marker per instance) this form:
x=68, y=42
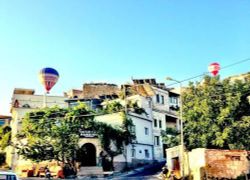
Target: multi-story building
x=141, y=150
x=159, y=106
x=164, y=107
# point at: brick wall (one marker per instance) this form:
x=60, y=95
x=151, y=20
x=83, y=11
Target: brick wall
x=98, y=89
x=226, y=163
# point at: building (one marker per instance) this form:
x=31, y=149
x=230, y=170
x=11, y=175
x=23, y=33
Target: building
x=151, y=106
x=24, y=101
x=141, y=150
x=165, y=104
x=92, y=94
x=4, y=120
x=201, y=163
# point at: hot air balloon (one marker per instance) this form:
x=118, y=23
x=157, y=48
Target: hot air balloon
x=48, y=77
x=214, y=68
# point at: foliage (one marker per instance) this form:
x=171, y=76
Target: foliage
x=5, y=136
x=216, y=114
x=113, y=106
x=135, y=107
x=53, y=133
x=171, y=137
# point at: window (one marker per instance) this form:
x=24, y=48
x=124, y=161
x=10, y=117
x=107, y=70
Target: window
x=149, y=104
x=160, y=125
x=146, y=153
x=157, y=98
x=173, y=100
x=162, y=99
x=26, y=106
x=146, y=130
x=155, y=122
x=157, y=141
x=2, y=122
x=133, y=152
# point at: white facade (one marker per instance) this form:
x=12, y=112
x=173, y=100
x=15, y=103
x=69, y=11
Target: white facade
x=147, y=146
x=161, y=111
x=24, y=101
x=141, y=150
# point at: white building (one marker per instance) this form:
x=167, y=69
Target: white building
x=141, y=150
x=24, y=101
x=158, y=102
x=164, y=105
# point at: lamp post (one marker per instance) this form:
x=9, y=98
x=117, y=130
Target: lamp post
x=181, y=125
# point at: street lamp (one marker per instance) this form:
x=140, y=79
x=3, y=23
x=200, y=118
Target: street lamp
x=181, y=125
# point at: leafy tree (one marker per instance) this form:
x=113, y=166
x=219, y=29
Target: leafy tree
x=53, y=133
x=216, y=114
x=171, y=137
x=5, y=136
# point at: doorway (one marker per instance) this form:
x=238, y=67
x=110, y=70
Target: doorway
x=87, y=155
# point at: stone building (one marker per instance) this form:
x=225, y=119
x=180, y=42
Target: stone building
x=203, y=163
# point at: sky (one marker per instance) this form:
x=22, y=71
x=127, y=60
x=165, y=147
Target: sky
x=116, y=40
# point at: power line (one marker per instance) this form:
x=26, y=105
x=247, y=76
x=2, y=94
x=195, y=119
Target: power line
x=194, y=77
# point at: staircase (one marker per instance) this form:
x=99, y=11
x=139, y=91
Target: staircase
x=90, y=171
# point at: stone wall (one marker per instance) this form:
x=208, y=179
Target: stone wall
x=94, y=90
x=204, y=163
x=226, y=163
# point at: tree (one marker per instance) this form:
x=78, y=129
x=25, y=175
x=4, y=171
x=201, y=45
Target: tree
x=5, y=136
x=216, y=113
x=5, y=140
x=53, y=133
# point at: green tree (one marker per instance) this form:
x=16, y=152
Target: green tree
x=53, y=133
x=216, y=113
x=5, y=136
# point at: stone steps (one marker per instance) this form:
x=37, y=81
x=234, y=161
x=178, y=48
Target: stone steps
x=90, y=170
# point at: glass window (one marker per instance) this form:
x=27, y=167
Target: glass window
x=146, y=153
x=155, y=122
x=7, y=177
x=157, y=141
x=146, y=131
x=157, y=98
x=162, y=99
x=133, y=152
x=160, y=125
x=173, y=100
x=2, y=122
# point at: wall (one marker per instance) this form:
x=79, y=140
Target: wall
x=98, y=89
x=159, y=106
x=115, y=119
x=34, y=101
x=211, y=163
x=226, y=163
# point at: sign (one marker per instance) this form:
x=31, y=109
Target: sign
x=88, y=134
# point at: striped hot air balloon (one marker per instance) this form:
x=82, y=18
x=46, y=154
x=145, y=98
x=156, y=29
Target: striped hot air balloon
x=214, y=68
x=48, y=77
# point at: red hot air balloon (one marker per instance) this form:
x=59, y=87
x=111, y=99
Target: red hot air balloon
x=214, y=68
x=48, y=77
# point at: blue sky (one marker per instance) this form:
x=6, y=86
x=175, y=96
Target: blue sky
x=114, y=40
